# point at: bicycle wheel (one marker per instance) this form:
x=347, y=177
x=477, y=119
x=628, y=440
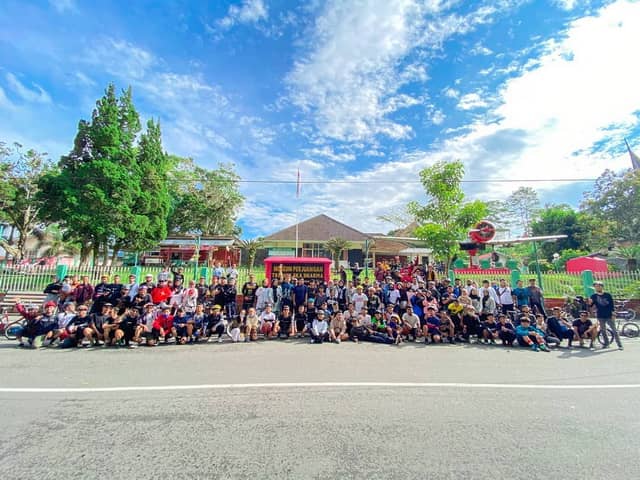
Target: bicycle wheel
x=601, y=338
x=630, y=330
x=631, y=315
x=11, y=330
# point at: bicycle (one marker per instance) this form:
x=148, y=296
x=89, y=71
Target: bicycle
x=10, y=329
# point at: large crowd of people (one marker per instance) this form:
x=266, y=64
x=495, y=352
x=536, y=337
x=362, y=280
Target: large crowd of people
x=401, y=303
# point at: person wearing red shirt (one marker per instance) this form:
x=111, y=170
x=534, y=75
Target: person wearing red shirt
x=163, y=324
x=161, y=293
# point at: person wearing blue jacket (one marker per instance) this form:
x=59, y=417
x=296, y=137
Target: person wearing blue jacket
x=529, y=336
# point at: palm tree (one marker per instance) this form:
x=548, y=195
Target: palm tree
x=251, y=247
x=55, y=242
x=630, y=254
x=336, y=246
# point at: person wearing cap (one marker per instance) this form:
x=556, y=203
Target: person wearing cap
x=78, y=328
x=604, y=305
x=217, y=323
x=394, y=328
x=141, y=299
x=559, y=327
x=529, y=336
x=148, y=282
x=33, y=327
x=319, y=328
x=359, y=299
x=506, y=330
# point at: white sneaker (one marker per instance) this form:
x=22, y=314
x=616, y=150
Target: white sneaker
x=337, y=340
x=219, y=339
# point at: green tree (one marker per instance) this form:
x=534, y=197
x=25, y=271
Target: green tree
x=336, y=246
x=560, y=220
x=446, y=218
x=106, y=190
x=53, y=240
x=205, y=201
x=251, y=248
x=19, y=191
x=522, y=208
x=615, y=199
x=631, y=254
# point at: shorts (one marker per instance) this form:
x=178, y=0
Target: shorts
x=423, y=322
x=434, y=331
x=266, y=328
x=285, y=326
x=181, y=331
x=300, y=324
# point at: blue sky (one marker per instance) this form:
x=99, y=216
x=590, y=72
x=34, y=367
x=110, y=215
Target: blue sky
x=348, y=91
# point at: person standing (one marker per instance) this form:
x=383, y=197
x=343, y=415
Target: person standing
x=536, y=299
x=603, y=302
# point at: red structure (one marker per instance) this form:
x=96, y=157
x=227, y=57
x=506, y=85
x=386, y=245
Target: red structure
x=309, y=268
x=183, y=249
x=580, y=264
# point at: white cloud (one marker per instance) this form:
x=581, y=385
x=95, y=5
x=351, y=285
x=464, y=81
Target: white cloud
x=567, y=4
x=63, y=6
x=4, y=101
x=580, y=91
x=438, y=117
x=119, y=58
x=350, y=81
x=250, y=11
x=480, y=49
x=328, y=153
x=84, y=79
x=471, y=101
x=35, y=95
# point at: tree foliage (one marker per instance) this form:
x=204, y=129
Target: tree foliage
x=561, y=220
x=446, y=218
x=336, y=246
x=110, y=192
x=20, y=203
x=615, y=199
x=522, y=208
x=206, y=202
x=251, y=247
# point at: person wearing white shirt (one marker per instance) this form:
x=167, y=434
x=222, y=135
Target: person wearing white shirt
x=492, y=292
x=319, y=328
x=264, y=296
x=268, y=324
x=505, y=296
x=359, y=299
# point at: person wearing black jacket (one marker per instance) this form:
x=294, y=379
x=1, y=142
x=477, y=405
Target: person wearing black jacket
x=230, y=298
x=53, y=290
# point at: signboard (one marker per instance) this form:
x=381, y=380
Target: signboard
x=306, y=270
x=305, y=267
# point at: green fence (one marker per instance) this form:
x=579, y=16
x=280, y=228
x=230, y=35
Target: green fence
x=555, y=284
x=35, y=279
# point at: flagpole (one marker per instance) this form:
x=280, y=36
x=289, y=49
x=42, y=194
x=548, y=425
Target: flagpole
x=297, y=209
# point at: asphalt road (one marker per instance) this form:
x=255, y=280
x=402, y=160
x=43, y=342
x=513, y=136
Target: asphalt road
x=472, y=427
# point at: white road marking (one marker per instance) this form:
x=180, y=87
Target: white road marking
x=309, y=385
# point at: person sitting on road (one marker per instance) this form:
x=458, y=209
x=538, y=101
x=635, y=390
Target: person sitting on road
x=490, y=330
x=431, y=329
x=319, y=329
x=184, y=326
x=126, y=327
x=63, y=319
x=164, y=324
x=97, y=323
x=559, y=327
x=268, y=322
x=285, y=322
x=200, y=322
x=252, y=324
x=506, y=330
x=78, y=328
x=378, y=323
x=145, y=327
x=216, y=323
x=447, y=328
x=34, y=326
x=411, y=324
x=470, y=324
x=234, y=329
x=394, y=328
x=338, y=328
x=584, y=329
x=529, y=336
x=549, y=338
x=525, y=311
x=299, y=322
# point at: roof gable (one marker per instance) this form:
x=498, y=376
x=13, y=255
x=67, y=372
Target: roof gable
x=319, y=228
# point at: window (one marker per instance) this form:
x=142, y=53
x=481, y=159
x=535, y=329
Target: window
x=313, y=250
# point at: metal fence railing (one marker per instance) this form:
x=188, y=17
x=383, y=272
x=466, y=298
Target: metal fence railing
x=624, y=284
